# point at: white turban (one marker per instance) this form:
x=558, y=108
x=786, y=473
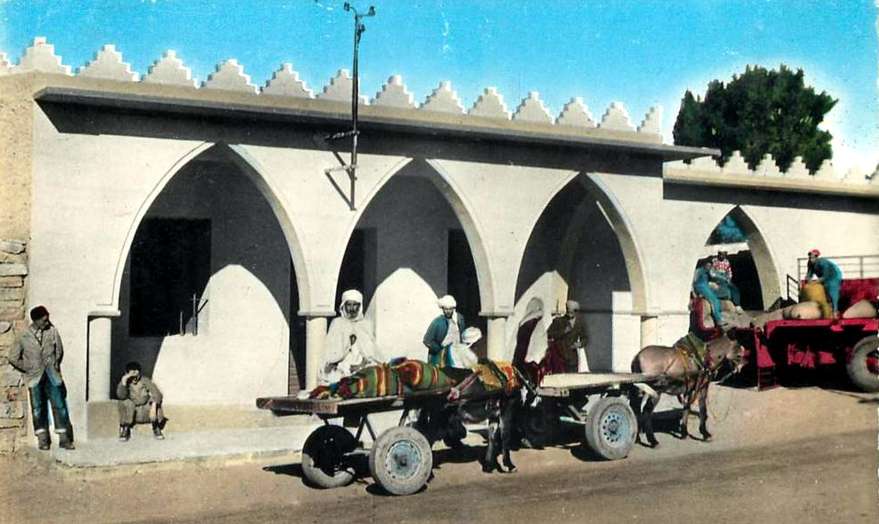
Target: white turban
x=447, y=301
x=352, y=295
x=471, y=335
x=572, y=306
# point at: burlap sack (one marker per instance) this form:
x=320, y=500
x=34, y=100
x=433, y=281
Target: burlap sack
x=803, y=311
x=862, y=309
x=814, y=291
x=727, y=306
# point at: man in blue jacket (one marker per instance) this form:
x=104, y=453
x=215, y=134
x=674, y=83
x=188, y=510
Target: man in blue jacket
x=702, y=288
x=444, y=331
x=828, y=274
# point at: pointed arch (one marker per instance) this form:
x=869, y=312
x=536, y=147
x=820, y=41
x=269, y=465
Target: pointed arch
x=250, y=168
x=617, y=220
x=761, y=252
x=463, y=212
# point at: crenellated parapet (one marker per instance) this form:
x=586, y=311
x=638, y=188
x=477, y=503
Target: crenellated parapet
x=285, y=87
x=706, y=171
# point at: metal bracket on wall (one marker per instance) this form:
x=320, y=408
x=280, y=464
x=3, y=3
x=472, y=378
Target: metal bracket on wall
x=351, y=167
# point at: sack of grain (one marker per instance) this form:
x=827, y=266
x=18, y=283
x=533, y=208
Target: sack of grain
x=862, y=309
x=803, y=311
x=814, y=291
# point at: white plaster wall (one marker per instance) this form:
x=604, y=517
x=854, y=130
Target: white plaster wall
x=673, y=232
x=87, y=190
x=506, y=202
x=241, y=350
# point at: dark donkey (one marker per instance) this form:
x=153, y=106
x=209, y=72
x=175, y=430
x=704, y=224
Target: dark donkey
x=472, y=402
x=682, y=375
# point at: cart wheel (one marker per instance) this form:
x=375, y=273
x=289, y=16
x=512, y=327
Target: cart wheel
x=611, y=428
x=539, y=425
x=401, y=460
x=863, y=368
x=323, y=457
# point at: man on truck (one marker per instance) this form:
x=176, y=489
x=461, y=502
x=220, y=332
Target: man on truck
x=828, y=274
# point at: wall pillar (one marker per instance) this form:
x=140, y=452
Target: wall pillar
x=315, y=335
x=496, y=337
x=649, y=331
x=99, y=348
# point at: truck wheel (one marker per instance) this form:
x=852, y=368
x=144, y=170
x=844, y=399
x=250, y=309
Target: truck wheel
x=323, y=457
x=863, y=368
x=611, y=428
x=401, y=460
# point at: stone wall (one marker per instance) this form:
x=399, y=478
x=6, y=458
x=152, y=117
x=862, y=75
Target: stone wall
x=13, y=395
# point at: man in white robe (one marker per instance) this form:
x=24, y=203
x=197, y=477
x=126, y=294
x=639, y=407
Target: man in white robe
x=350, y=344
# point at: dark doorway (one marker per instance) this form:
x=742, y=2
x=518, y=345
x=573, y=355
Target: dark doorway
x=296, y=360
x=170, y=267
x=461, y=280
x=359, y=265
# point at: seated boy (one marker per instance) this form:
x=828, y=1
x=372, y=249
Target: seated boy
x=140, y=401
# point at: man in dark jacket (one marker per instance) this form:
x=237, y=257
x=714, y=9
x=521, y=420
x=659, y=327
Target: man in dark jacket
x=567, y=335
x=140, y=401
x=37, y=353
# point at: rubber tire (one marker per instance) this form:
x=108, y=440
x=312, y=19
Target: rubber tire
x=393, y=440
x=857, y=369
x=319, y=438
x=611, y=428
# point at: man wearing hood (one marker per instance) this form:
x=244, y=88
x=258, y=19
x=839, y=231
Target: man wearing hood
x=444, y=331
x=350, y=344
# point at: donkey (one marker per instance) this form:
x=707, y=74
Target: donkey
x=472, y=402
x=683, y=375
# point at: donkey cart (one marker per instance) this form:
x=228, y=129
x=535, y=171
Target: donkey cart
x=609, y=425
x=401, y=457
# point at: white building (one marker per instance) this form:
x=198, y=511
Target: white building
x=194, y=228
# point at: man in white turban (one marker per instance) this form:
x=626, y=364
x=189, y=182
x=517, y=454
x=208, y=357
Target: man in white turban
x=444, y=331
x=350, y=344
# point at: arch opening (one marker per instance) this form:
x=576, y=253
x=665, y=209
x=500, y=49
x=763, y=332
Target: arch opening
x=209, y=277
x=752, y=266
x=409, y=247
x=580, y=248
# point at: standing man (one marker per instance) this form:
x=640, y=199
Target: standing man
x=567, y=335
x=140, y=401
x=828, y=274
x=444, y=331
x=37, y=353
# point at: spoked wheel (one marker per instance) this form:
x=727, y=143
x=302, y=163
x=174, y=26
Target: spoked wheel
x=324, y=457
x=611, y=428
x=401, y=460
x=863, y=368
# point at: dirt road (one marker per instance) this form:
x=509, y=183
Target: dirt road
x=804, y=455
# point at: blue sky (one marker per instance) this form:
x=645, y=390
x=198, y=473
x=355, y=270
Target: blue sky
x=641, y=53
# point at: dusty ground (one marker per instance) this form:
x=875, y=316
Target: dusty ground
x=785, y=455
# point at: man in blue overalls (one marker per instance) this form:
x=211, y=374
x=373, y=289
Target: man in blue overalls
x=701, y=288
x=828, y=274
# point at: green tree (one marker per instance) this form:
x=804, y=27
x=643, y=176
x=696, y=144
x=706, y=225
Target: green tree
x=760, y=111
